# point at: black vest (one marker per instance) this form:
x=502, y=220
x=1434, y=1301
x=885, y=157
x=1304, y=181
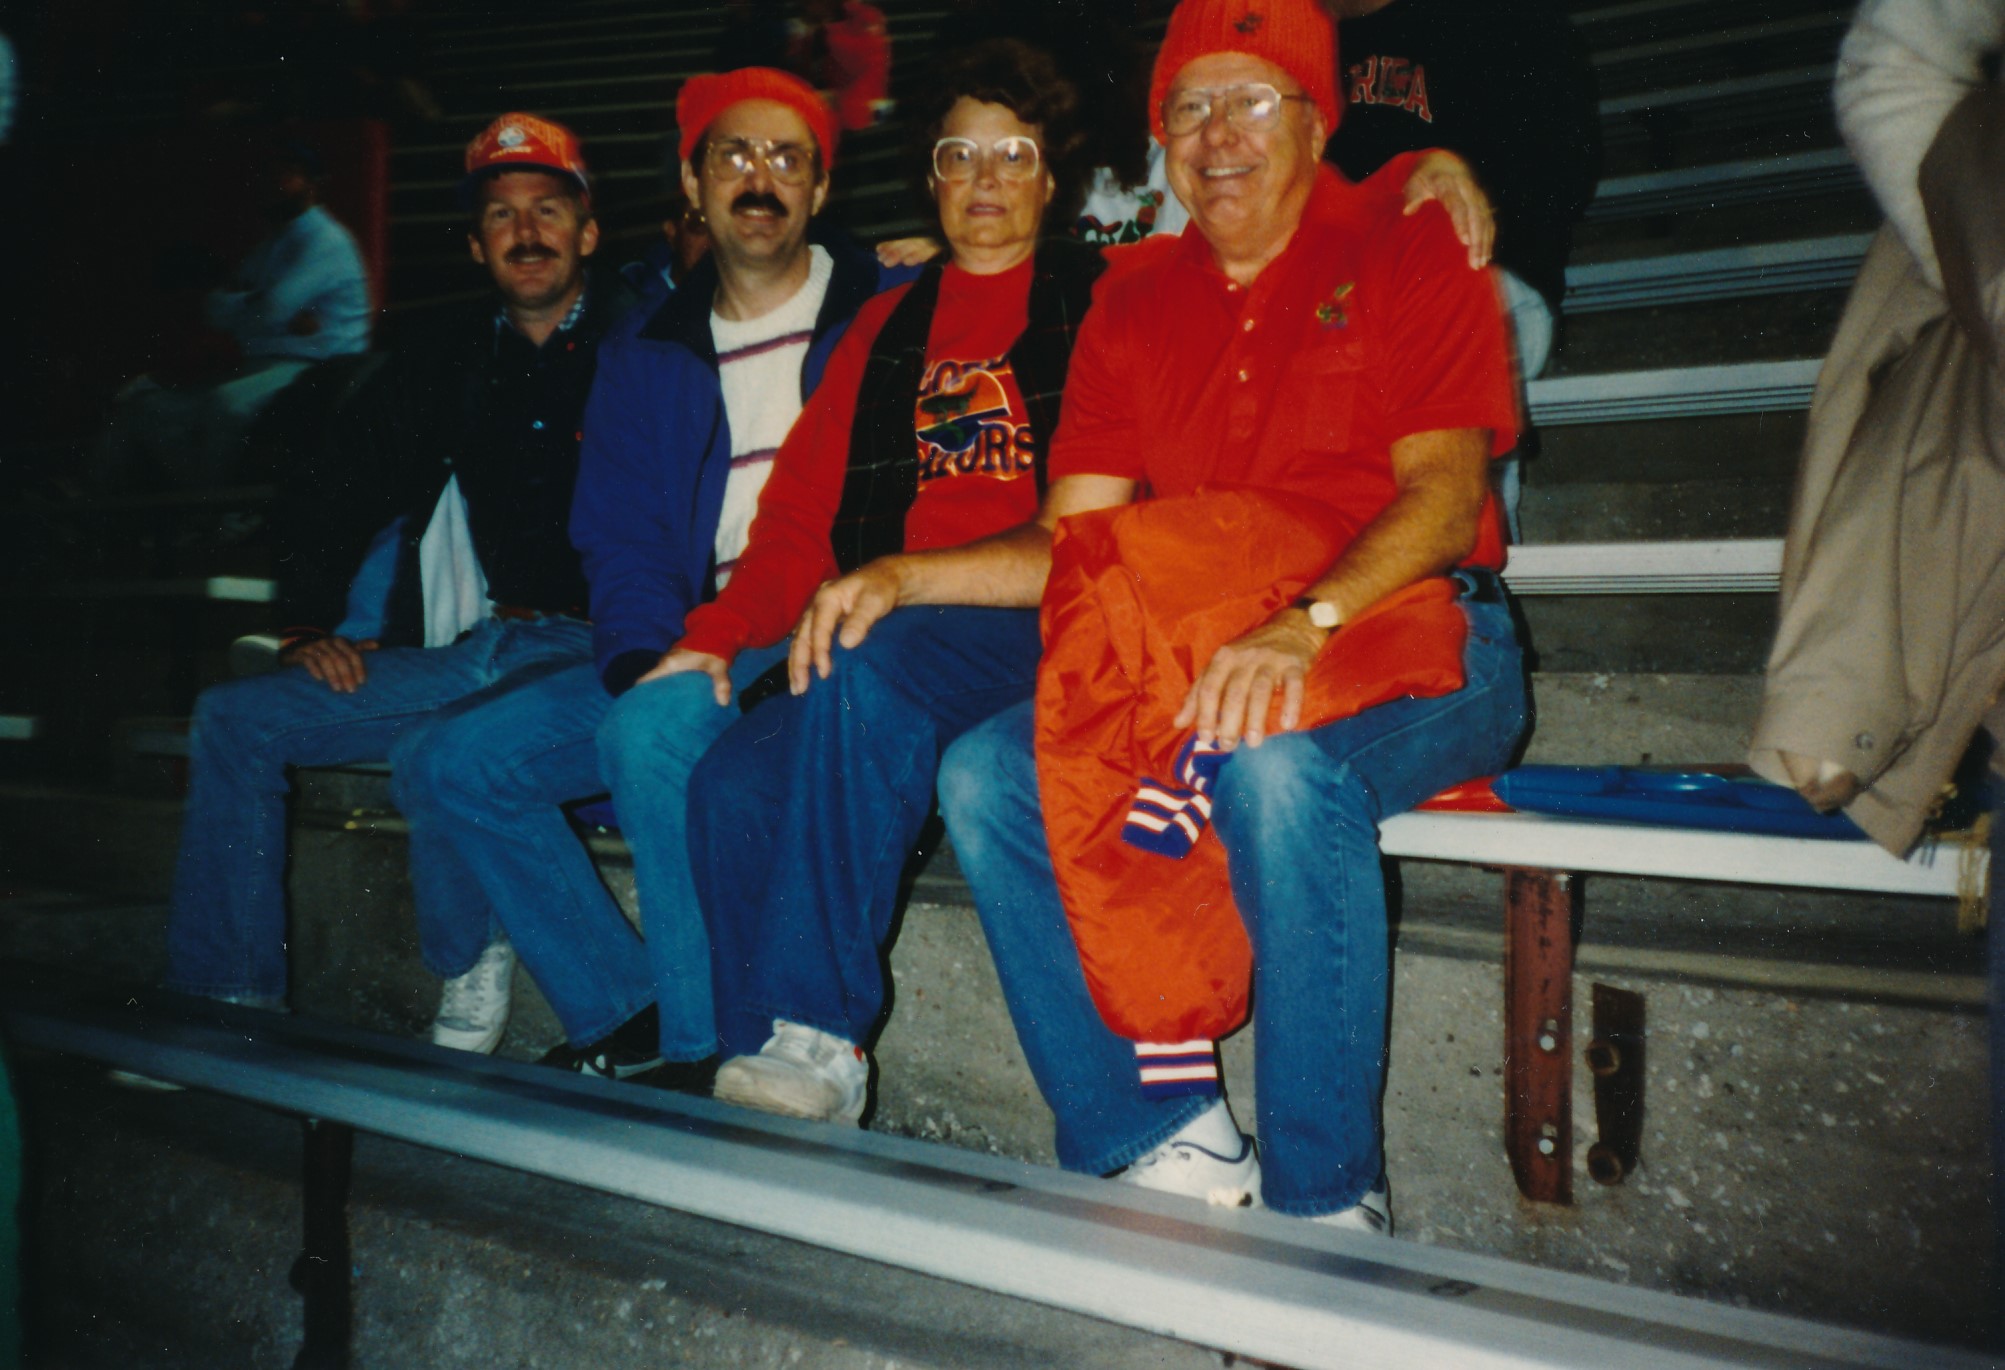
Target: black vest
x=882, y=481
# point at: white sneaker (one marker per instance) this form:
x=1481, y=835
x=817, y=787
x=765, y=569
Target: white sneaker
x=256, y=654
x=1372, y=1213
x=801, y=1072
x=1185, y=1164
x=473, y=1008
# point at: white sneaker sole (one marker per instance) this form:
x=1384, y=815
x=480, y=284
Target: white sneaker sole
x=748, y=1091
x=463, y=1039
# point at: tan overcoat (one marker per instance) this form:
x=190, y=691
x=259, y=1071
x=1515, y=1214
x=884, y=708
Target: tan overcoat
x=1891, y=646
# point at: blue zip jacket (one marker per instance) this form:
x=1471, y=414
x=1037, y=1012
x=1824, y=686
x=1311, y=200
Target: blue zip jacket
x=657, y=450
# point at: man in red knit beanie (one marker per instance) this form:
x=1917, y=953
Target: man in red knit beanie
x=1321, y=355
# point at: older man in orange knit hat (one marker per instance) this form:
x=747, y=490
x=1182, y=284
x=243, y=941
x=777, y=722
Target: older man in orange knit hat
x=1315, y=365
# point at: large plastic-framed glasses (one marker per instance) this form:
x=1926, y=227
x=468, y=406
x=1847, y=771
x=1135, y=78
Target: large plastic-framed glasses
x=1014, y=158
x=732, y=159
x=1252, y=107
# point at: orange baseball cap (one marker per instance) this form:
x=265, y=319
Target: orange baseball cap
x=525, y=142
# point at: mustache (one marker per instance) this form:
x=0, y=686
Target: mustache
x=759, y=199
x=531, y=252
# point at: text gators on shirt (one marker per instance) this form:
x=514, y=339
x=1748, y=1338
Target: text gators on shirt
x=970, y=420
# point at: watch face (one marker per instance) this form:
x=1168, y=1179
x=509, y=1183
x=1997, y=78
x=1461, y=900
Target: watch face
x=1323, y=614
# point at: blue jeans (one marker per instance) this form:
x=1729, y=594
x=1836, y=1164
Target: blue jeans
x=803, y=814
x=1531, y=331
x=481, y=789
x=226, y=931
x=1299, y=818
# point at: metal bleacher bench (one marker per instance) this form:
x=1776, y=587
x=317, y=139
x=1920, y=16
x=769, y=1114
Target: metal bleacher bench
x=1245, y=1282
x=1542, y=857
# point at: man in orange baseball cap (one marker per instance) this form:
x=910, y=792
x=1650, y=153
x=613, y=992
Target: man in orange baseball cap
x=525, y=142
x=466, y=441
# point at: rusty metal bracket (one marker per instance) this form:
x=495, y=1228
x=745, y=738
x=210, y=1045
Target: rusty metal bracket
x=1615, y=1056
x=1540, y=908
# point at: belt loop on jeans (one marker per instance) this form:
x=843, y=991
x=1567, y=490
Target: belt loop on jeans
x=1478, y=584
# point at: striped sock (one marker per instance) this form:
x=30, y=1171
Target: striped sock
x=1167, y=819
x=1173, y=1069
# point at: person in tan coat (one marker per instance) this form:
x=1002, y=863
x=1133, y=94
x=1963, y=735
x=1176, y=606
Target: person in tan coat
x=1891, y=645
x=1891, y=649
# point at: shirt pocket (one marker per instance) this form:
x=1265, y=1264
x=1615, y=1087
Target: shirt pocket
x=1316, y=406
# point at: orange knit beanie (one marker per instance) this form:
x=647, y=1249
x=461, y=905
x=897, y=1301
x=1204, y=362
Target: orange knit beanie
x=1295, y=35
x=703, y=98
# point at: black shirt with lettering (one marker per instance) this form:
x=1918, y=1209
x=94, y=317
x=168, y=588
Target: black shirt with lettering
x=1506, y=84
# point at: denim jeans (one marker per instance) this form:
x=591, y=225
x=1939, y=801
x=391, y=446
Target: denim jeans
x=226, y=932
x=1531, y=331
x=803, y=814
x=1299, y=818
x=481, y=789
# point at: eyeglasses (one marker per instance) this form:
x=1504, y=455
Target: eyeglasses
x=733, y=159
x=960, y=159
x=1252, y=107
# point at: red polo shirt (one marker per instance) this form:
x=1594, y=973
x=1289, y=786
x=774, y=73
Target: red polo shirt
x=1368, y=327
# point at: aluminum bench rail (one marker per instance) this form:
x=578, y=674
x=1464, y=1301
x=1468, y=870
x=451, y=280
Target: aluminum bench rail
x=216, y=589
x=1717, y=274
x=1674, y=392
x=1749, y=565
x=1539, y=841
x=1728, y=566
x=1253, y=1283
x=1744, y=181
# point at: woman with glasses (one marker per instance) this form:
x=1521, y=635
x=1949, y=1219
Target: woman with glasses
x=928, y=432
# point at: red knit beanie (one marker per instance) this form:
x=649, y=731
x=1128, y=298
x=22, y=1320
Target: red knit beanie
x=1295, y=35
x=703, y=98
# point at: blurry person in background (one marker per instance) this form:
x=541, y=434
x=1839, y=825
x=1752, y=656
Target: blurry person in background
x=300, y=297
x=1506, y=86
x=843, y=48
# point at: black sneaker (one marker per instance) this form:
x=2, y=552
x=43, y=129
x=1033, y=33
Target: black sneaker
x=684, y=1077
x=631, y=1049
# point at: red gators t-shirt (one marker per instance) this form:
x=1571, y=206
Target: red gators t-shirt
x=977, y=456
x=971, y=438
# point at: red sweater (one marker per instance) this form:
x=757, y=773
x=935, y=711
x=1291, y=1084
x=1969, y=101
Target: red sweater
x=971, y=437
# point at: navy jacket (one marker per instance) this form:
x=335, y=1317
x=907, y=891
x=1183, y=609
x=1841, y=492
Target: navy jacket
x=657, y=450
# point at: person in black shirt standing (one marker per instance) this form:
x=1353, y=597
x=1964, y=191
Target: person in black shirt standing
x=1506, y=85
x=471, y=434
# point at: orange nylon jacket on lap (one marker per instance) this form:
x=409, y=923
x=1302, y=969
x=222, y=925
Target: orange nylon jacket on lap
x=1138, y=600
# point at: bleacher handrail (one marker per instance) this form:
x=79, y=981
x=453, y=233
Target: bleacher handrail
x=1244, y=1281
